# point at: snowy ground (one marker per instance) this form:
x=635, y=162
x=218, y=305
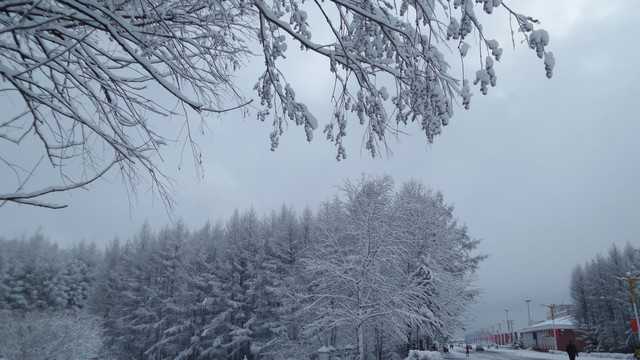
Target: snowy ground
x=554, y=355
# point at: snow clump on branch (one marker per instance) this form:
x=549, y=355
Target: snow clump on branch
x=373, y=41
x=81, y=71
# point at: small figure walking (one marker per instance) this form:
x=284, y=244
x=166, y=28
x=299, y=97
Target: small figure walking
x=572, y=351
x=467, y=350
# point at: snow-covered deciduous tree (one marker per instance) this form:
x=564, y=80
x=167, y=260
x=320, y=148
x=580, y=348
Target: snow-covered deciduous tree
x=439, y=260
x=89, y=79
x=386, y=265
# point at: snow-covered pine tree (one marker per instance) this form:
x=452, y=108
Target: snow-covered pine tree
x=136, y=311
x=238, y=280
x=603, y=306
x=34, y=275
x=284, y=248
x=79, y=275
x=200, y=298
x=105, y=294
x=171, y=287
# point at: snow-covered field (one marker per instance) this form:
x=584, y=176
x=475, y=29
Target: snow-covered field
x=600, y=355
x=424, y=355
x=557, y=355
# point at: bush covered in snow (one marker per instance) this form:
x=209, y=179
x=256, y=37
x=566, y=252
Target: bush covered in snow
x=49, y=335
x=424, y=355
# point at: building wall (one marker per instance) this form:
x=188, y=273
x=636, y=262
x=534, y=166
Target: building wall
x=546, y=340
x=566, y=335
x=528, y=341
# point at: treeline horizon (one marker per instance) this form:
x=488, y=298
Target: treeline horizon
x=375, y=268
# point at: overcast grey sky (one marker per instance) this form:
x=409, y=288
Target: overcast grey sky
x=545, y=172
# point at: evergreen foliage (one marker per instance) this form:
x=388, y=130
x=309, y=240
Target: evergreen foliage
x=603, y=308
x=374, y=268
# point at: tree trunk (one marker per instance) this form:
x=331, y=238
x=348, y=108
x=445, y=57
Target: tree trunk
x=360, y=336
x=379, y=344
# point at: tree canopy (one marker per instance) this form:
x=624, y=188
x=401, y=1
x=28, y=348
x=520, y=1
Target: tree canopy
x=603, y=304
x=375, y=269
x=82, y=75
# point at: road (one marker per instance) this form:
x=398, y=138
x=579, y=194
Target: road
x=499, y=355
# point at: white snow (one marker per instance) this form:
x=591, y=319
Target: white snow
x=424, y=355
x=464, y=48
x=564, y=322
x=552, y=355
x=549, y=63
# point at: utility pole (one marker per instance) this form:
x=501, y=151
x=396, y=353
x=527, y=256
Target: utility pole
x=552, y=308
x=528, y=312
x=508, y=327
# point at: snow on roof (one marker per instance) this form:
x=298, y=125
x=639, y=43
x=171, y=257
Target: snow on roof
x=565, y=322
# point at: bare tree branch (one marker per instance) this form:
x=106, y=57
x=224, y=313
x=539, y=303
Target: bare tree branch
x=29, y=198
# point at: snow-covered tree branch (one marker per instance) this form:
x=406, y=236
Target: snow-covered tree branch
x=382, y=42
x=90, y=79
x=83, y=72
